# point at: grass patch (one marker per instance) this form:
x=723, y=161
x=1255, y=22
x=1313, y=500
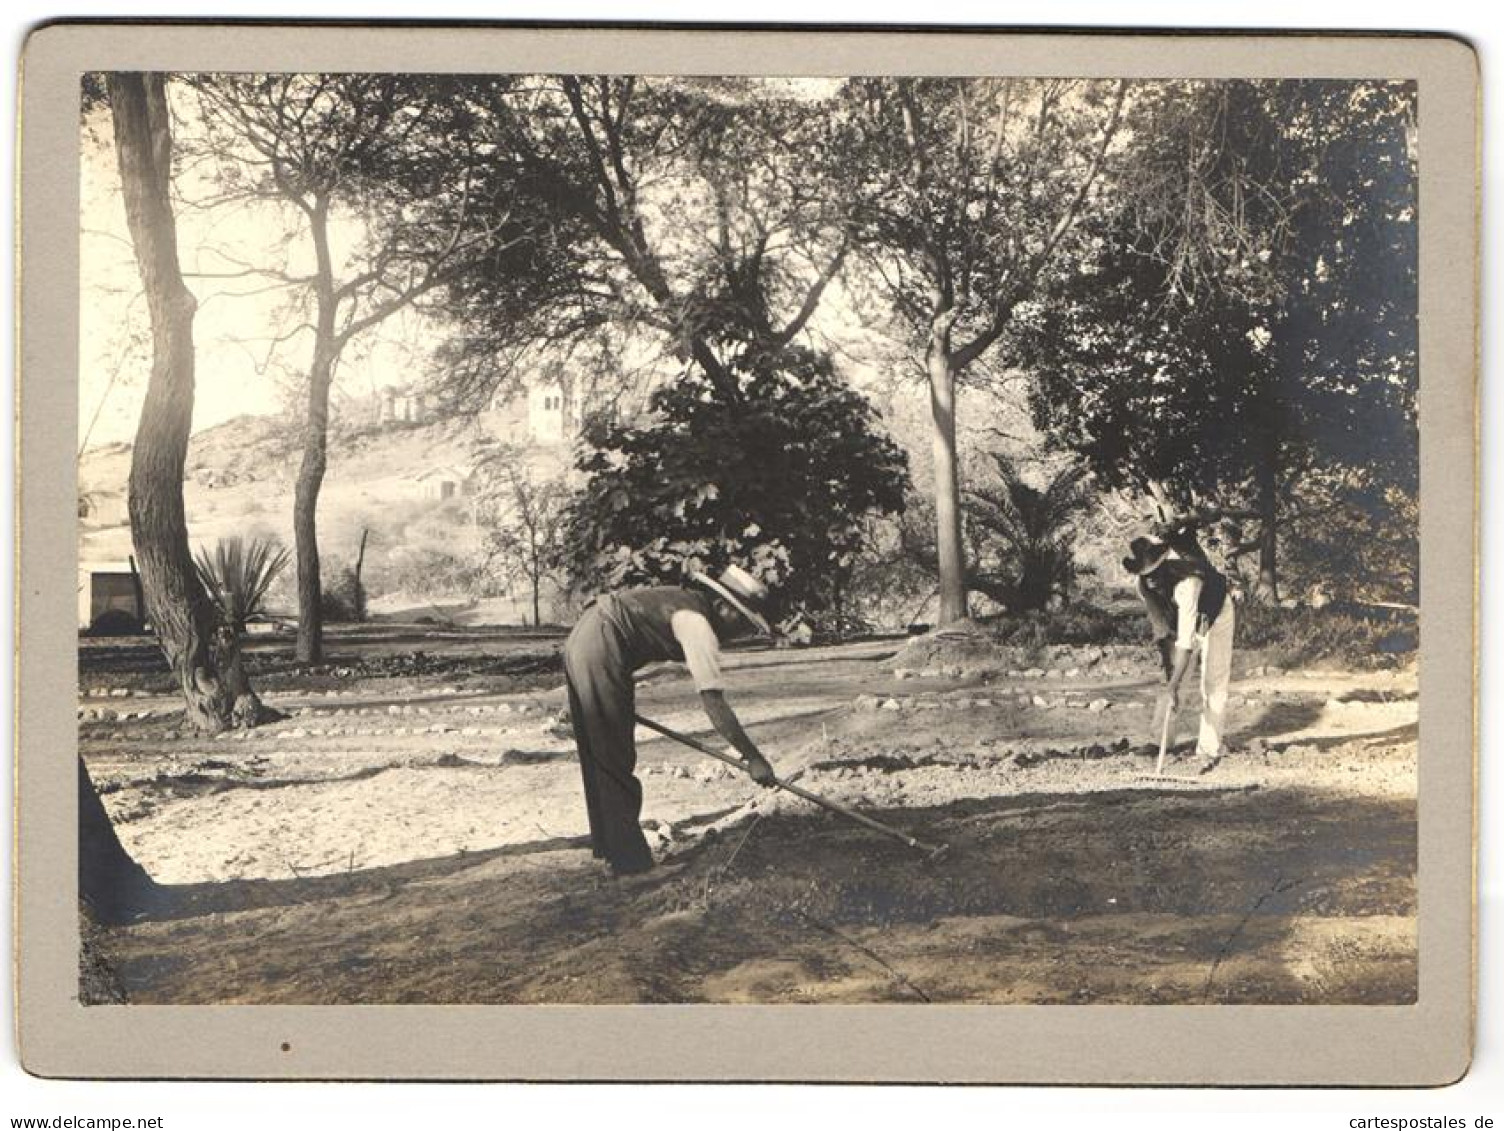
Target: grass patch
x=1357, y=636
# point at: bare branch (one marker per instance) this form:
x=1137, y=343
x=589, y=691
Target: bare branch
x=812, y=298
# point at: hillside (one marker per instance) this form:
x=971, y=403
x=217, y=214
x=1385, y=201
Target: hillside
x=387, y=479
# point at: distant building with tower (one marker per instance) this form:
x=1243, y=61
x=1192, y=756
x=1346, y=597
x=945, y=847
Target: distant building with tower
x=546, y=412
x=401, y=404
x=549, y=419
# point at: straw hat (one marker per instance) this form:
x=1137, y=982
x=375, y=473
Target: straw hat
x=742, y=590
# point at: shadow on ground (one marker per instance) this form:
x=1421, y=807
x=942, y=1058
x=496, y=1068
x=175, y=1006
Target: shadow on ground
x=1127, y=895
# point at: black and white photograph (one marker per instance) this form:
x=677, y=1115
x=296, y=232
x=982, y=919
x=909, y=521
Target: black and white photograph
x=589, y=540
x=567, y=538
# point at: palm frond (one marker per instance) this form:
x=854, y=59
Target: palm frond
x=238, y=574
x=1025, y=533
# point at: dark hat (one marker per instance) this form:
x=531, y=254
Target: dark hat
x=1145, y=556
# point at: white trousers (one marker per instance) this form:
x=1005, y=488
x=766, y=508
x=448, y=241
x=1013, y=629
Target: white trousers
x=1216, y=675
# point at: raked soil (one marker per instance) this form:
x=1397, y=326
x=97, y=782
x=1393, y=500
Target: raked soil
x=409, y=834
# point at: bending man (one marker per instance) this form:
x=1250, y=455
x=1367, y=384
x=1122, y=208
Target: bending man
x=1189, y=596
x=621, y=632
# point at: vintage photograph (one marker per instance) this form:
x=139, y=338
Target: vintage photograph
x=581, y=538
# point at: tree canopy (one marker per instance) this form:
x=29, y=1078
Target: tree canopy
x=1245, y=334
x=1207, y=291
x=685, y=215
x=967, y=192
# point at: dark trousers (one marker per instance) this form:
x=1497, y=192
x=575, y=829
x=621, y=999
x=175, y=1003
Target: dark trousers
x=601, y=706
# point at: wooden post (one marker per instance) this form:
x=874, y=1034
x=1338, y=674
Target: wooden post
x=359, y=594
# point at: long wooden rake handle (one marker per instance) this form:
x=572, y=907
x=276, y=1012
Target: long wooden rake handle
x=824, y=802
x=1164, y=739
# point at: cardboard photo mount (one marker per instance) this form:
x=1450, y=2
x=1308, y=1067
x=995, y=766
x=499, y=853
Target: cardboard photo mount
x=1428, y=1043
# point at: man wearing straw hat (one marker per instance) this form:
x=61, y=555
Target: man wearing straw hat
x=619, y=633
x=1187, y=602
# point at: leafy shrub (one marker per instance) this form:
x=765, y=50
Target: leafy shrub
x=1079, y=623
x=1356, y=635
x=432, y=571
x=1367, y=549
x=891, y=586
x=780, y=478
x=343, y=596
x=1020, y=541
x=1023, y=537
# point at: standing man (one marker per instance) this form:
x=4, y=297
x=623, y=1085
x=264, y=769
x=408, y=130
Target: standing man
x=1188, y=605
x=621, y=632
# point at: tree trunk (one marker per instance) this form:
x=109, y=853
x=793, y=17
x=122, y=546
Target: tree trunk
x=1267, y=477
x=115, y=888
x=247, y=710
x=537, y=604
x=304, y=516
x=310, y=646
x=358, y=591
x=176, y=605
x=138, y=591
x=1267, y=587
x=952, y=557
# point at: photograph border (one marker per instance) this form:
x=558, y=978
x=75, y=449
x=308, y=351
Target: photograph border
x=1428, y=1043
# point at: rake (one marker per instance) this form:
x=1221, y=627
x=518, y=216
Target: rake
x=1159, y=774
x=1159, y=777
x=933, y=851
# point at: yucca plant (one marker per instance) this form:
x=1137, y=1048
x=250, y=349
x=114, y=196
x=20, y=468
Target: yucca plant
x=238, y=575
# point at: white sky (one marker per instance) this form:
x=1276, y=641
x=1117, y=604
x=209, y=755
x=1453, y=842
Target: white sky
x=239, y=369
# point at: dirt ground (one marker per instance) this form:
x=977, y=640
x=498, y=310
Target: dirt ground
x=414, y=832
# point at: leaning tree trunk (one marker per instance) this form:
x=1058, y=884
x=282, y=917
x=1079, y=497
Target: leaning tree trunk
x=952, y=555
x=179, y=610
x=114, y=887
